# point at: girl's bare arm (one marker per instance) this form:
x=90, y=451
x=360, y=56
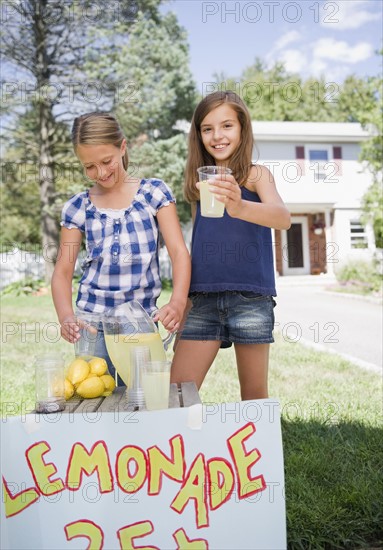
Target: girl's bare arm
x=61, y=284
x=171, y=314
x=271, y=212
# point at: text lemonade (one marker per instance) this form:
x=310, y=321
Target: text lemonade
x=206, y=484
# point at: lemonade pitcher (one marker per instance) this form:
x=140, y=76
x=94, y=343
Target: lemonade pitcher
x=127, y=326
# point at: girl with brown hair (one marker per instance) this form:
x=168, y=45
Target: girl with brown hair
x=232, y=283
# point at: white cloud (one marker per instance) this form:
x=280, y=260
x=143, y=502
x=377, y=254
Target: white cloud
x=341, y=51
x=318, y=67
x=325, y=56
x=286, y=39
x=348, y=14
x=294, y=60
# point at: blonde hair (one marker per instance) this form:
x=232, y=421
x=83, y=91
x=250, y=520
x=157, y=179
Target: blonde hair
x=98, y=128
x=240, y=162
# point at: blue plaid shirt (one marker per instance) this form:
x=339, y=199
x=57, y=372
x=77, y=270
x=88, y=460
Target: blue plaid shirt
x=121, y=261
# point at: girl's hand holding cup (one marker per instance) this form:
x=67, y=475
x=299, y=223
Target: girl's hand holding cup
x=69, y=328
x=212, y=202
x=228, y=191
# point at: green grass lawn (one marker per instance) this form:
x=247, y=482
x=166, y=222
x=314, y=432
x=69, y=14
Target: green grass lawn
x=331, y=424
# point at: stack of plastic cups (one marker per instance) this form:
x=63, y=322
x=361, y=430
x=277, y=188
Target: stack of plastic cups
x=135, y=395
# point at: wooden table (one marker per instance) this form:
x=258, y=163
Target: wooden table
x=181, y=395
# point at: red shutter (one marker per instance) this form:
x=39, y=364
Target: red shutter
x=300, y=156
x=337, y=156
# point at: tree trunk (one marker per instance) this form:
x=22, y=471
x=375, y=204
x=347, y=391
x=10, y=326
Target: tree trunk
x=49, y=227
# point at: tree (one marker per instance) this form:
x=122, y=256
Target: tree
x=43, y=45
x=150, y=71
x=275, y=94
x=356, y=100
x=20, y=201
x=361, y=101
x=156, y=90
x=156, y=59
x=164, y=159
x=372, y=119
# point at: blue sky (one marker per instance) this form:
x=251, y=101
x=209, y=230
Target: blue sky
x=313, y=37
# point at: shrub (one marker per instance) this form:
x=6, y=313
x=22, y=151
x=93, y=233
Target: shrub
x=361, y=274
x=23, y=287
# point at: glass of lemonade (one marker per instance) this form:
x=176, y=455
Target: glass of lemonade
x=210, y=206
x=155, y=379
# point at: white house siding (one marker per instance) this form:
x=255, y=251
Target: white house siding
x=342, y=217
x=18, y=265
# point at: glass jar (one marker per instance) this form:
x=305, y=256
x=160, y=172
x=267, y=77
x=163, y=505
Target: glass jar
x=49, y=383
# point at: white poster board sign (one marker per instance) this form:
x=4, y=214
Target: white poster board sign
x=207, y=476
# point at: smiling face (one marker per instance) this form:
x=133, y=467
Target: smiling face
x=103, y=163
x=221, y=133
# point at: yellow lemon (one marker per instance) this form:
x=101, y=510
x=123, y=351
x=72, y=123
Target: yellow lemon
x=98, y=366
x=69, y=389
x=91, y=387
x=78, y=371
x=58, y=387
x=109, y=384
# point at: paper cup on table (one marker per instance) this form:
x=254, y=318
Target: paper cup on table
x=86, y=344
x=210, y=206
x=155, y=380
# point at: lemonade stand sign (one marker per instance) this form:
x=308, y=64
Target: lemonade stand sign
x=207, y=476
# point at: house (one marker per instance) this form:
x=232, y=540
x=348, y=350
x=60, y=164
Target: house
x=318, y=175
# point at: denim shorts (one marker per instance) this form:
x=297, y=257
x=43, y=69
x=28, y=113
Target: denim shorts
x=240, y=317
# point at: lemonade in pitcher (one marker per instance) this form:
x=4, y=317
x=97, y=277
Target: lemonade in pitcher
x=120, y=346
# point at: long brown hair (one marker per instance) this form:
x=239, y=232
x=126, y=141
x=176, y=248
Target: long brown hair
x=240, y=162
x=98, y=128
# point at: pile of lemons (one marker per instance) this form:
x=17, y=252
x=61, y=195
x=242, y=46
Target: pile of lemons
x=88, y=378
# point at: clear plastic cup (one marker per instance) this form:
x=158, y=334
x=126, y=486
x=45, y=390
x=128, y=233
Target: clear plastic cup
x=140, y=355
x=155, y=381
x=49, y=383
x=86, y=344
x=210, y=206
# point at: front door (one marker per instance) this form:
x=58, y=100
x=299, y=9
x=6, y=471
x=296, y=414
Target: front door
x=295, y=247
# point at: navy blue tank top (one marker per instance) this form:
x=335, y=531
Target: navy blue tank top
x=232, y=254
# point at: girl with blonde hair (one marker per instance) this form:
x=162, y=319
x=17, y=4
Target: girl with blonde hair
x=121, y=218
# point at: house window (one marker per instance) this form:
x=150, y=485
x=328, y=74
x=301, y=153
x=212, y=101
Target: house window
x=357, y=234
x=323, y=161
x=318, y=160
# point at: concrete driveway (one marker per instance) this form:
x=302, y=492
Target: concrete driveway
x=347, y=325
